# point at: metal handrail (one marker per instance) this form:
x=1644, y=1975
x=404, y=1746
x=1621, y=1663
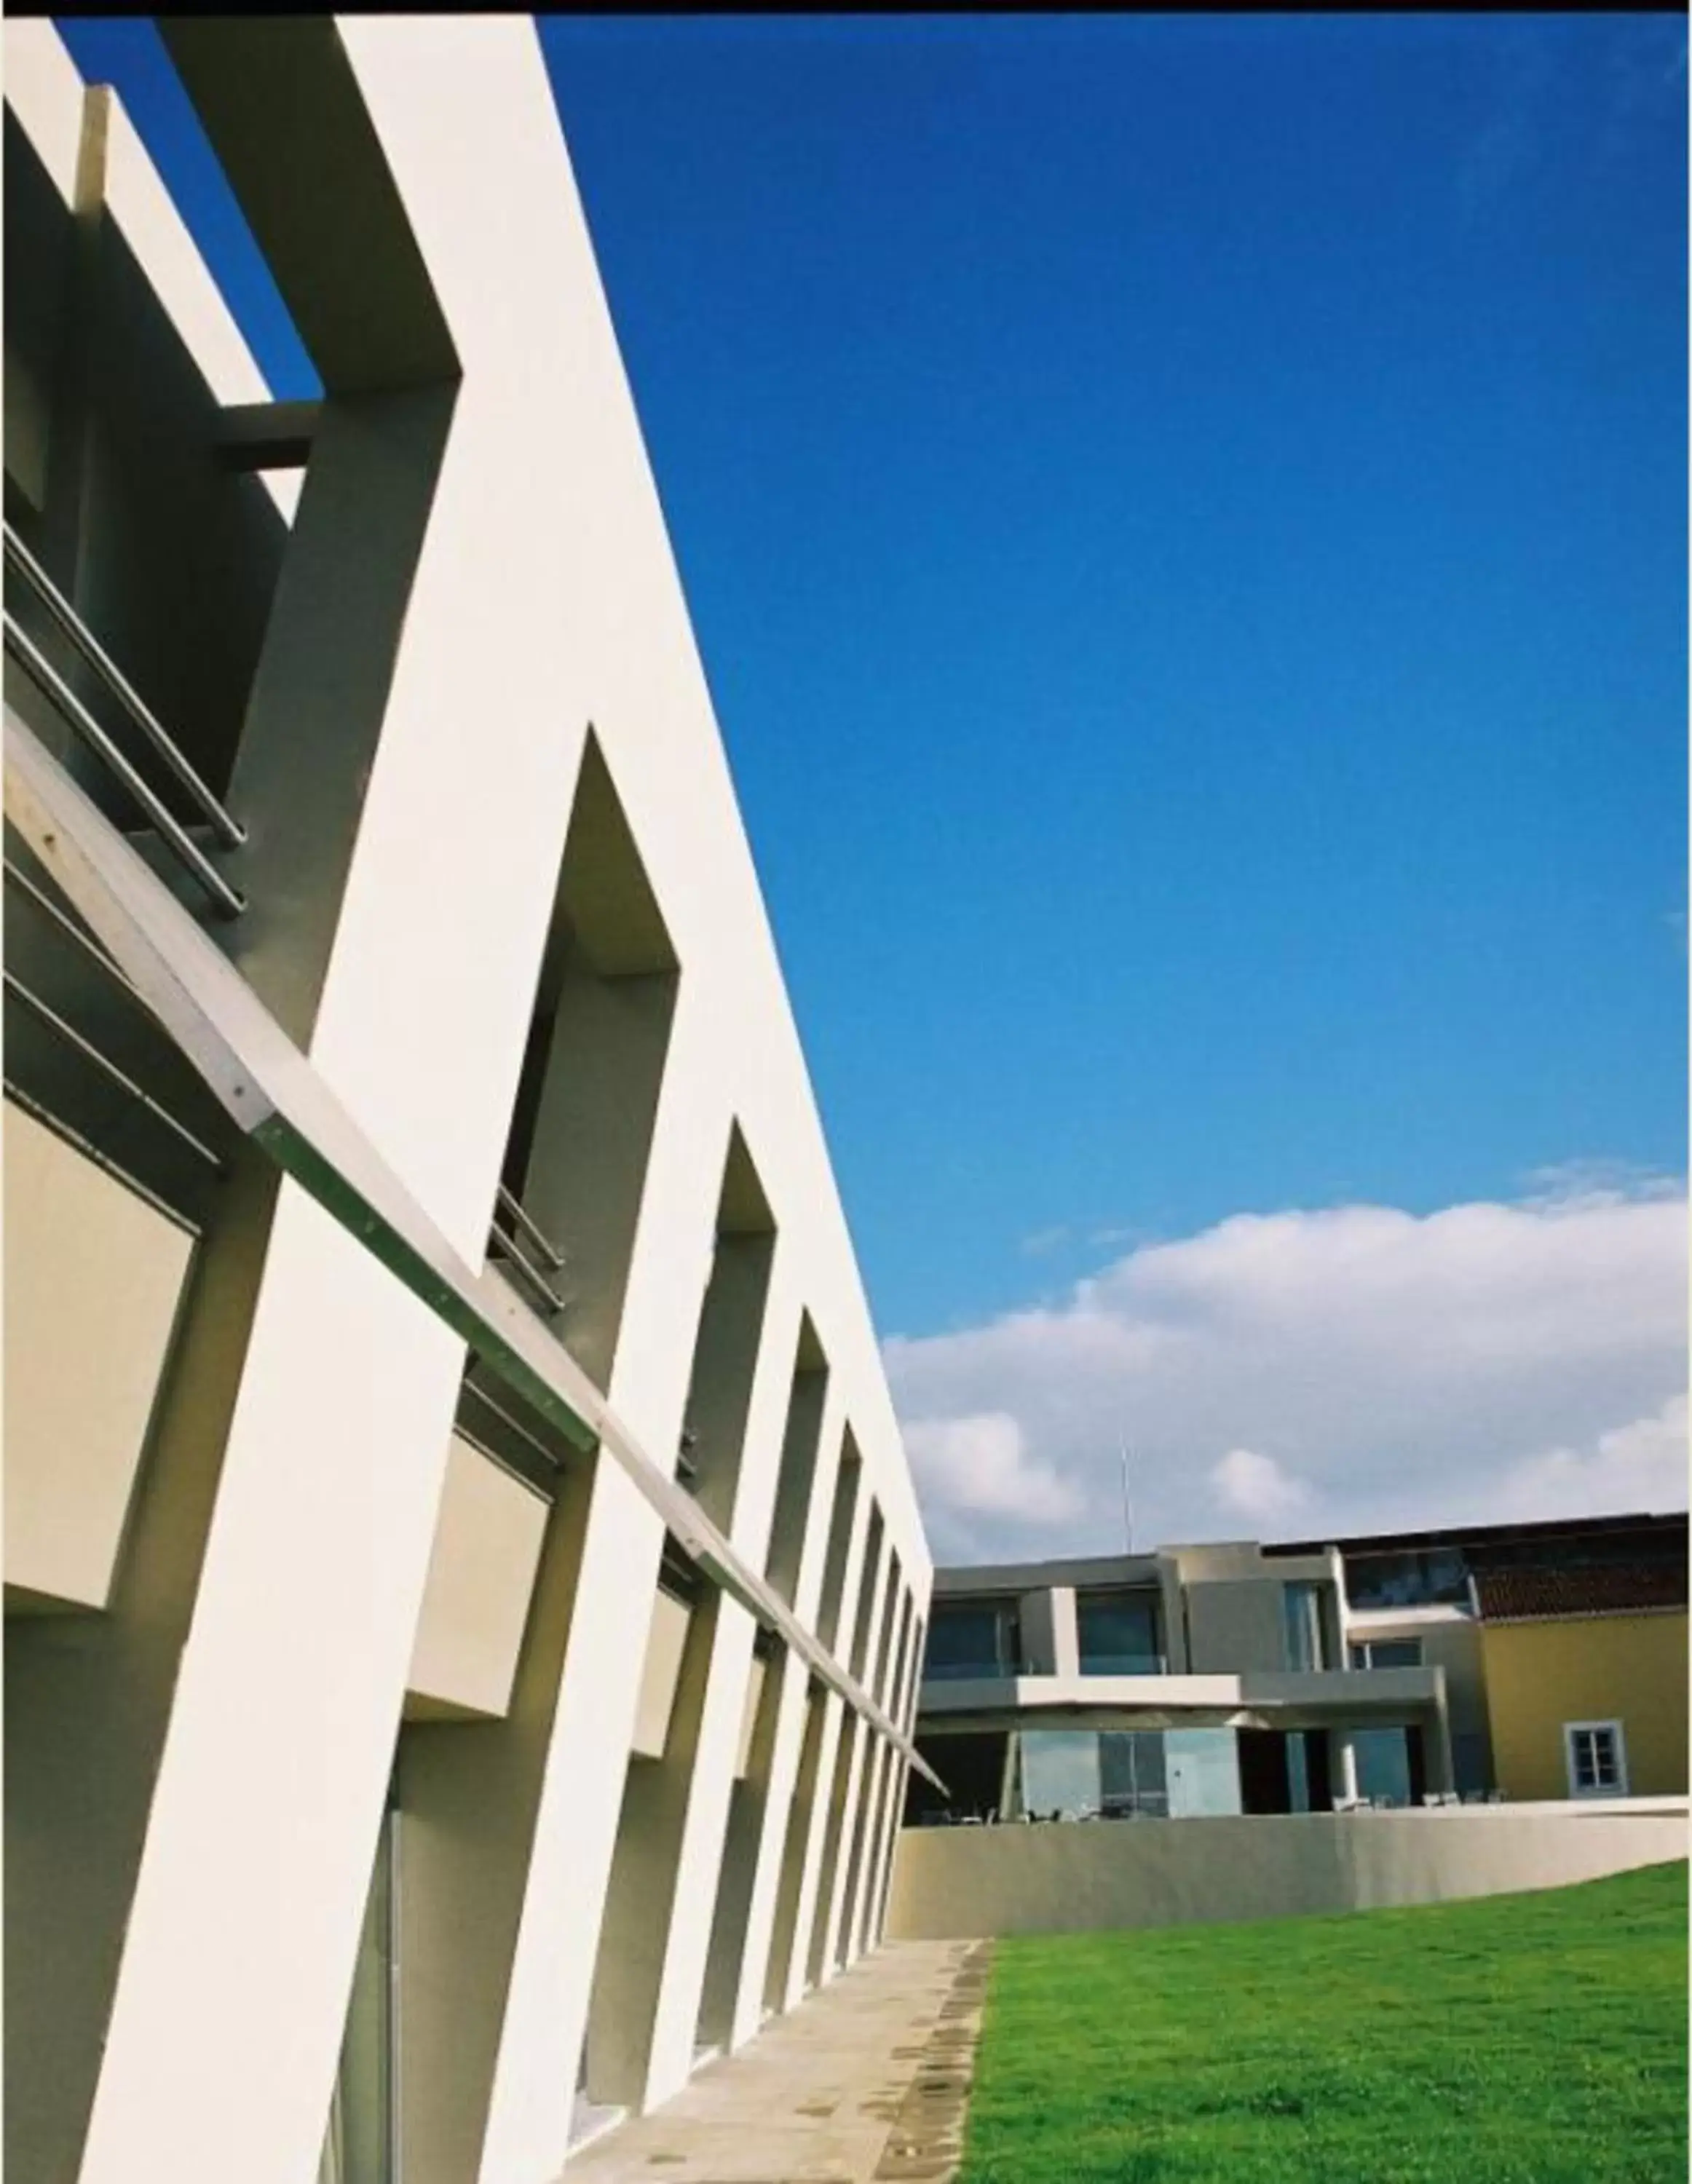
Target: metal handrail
x=56, y=1024
x=53, y=686
x=507, y=1202
x=511, y=1251
x=72, y=931
x=229, y=831
x=513, y=1425
x=510, y=1243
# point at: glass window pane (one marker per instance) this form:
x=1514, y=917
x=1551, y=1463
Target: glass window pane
x=1298, y=1773
x=1407, y=1578
x=1383, y=1764
x=1060, y=1772
x=1116, y=1770
x=979, y=1639
x=1117, y=1633
x=1203, y=1766
x=1302, y=1604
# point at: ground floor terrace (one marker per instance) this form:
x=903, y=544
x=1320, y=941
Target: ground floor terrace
x=1036, y=1749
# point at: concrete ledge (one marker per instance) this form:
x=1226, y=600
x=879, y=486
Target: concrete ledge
x=951, y=1883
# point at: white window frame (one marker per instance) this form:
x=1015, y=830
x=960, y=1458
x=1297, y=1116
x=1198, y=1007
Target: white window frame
x=1573, y=1728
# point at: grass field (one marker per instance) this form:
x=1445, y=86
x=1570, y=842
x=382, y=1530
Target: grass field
x=1536, y=2039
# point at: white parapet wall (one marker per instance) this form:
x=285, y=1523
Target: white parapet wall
x=1087, y=1877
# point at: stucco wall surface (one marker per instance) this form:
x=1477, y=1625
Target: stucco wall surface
x=962, y=1883
x=1630, y=1668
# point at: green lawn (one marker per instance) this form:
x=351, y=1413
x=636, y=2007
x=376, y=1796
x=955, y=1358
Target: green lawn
x=1535, y=2039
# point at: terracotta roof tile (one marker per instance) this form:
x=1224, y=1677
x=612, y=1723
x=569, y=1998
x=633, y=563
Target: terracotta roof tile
x=1507, y=1595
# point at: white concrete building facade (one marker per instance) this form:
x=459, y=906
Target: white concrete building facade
x=1196, y=1681
x=465, y=1594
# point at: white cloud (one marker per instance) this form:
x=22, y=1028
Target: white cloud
x=1355, y=1369
x=975, y=1468
x=1641, y=1466
x=1257, y=1487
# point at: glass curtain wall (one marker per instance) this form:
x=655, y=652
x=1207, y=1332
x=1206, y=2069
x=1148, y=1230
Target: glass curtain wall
x=1114, y=1774
x=979, y=1638
x=1408, y=1576
x=1203, y=1766
x=1383, y=1765
x=1302, y=1604
x=1118, y=1634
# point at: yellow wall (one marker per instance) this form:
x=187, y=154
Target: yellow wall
x=1630, y=1668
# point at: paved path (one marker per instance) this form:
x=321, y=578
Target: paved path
x=864, y=2082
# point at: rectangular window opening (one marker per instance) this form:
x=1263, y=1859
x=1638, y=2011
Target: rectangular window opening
x=562, y=1225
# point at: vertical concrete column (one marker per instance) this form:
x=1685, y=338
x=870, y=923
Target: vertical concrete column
x=906, y=1718
x=1341, y=1609
x=799, y=1525
x=816, y=1887
x=904, y=1710
x=675, y=2013
x=780, y=1976
x=1436, y=1748
x=469, y=1796
x=88, y=1701
x=793, y=1971
x=893, y=1791
x=820, y=1962
x=574, y=1834
x=844, y=1610
x=752, y=1807
x=1341, y=1763
x=886, y=1688
x=533, y=2094
x=655, y=1942
x=863, y=1768
x=1173, y=1618
x=645, y=1910
x=1065, y=1634
x=278, y=1561
x=271, y=1775
x=816, y=1421
x=860, y=1869
x=1039, y=1644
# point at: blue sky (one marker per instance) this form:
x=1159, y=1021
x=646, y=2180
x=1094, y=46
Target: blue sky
x=1186, y=524
x=1185, y=520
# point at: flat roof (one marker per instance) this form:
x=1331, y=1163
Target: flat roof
x=1457, y=1535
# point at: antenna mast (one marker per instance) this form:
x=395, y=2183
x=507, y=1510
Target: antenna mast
x=1128, y=1507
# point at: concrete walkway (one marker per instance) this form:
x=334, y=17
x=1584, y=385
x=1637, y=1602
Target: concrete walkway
x=868, y=2081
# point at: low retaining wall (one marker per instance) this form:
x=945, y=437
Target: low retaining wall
x=953, y=1883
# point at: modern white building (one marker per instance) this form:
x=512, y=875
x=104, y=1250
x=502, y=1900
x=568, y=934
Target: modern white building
x=464, y=1588
x=1517, y=1661
x=1196, y=1681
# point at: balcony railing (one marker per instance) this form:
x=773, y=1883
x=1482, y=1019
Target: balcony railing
x=1124, y=1665
x=148, y=800
x=516, y=1240
x=87, y=1047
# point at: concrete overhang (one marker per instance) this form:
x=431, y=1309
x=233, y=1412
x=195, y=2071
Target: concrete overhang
x=1293, y=1699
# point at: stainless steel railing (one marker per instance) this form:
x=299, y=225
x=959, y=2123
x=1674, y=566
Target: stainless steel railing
x=35, y=663
x=69, y=1036
x=517, y=1241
